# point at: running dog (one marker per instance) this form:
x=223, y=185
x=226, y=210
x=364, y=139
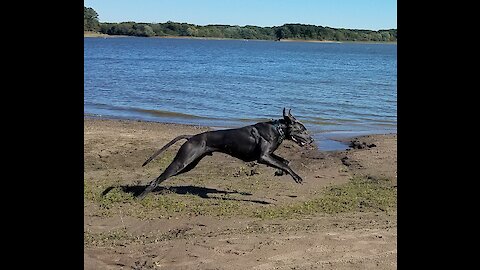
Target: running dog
x=250, y=143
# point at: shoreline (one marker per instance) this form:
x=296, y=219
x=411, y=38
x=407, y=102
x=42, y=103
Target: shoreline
x=100, y=35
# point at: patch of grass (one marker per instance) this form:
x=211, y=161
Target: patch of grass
x=115, y=196
x=111, y=238
x=121, y=237
x=164, y=205
x=191, y=205
x=358, y=194
x=167, y=204
x=89, y=191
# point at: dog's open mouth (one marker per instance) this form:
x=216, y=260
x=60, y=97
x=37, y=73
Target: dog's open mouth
x=301, y=142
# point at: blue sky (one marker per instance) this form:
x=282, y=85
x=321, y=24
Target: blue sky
x=353, y=14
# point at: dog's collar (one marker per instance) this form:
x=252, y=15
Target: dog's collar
x=278, y=127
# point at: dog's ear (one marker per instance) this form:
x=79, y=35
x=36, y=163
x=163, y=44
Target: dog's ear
x=291, y=116
x=288, y=116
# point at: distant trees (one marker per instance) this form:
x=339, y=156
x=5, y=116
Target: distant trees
x=312, y=32
x=286, y=31
x=127, y=29
x=90, y=20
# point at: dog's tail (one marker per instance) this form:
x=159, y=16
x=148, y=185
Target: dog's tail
x=166, y=146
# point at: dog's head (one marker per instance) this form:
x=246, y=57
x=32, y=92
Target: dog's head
x=296, y=131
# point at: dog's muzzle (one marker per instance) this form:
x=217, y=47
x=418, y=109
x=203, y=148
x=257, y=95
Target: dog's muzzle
x=302, y=141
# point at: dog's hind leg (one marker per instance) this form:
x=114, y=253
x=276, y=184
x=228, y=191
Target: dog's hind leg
x=186, y=159
x=193, y=164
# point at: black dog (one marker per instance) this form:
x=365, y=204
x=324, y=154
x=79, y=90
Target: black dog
x=251, y=143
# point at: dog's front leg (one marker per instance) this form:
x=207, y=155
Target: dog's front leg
x=280, y=158
x=280, y=172
x=266, y=158
x=271, y=161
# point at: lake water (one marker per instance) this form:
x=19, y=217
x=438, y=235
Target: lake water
x=336, y=89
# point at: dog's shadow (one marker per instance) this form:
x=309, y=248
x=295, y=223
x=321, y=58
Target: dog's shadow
x=201, y=192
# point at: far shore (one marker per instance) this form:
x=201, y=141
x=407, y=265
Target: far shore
x=100, y=35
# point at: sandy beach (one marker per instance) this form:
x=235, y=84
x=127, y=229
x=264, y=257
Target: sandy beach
x=228, y=214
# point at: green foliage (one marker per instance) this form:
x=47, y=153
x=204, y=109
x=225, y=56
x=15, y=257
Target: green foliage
x=286, y=31
x=312, y=32
x=128, y=29
x=90, y=20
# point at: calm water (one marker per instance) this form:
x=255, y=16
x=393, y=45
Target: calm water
x=335, y=89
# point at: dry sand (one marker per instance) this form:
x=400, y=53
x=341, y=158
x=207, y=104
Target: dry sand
x=227, y=214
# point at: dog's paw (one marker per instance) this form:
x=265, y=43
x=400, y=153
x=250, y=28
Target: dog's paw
x=279, y=173
x=298, y=179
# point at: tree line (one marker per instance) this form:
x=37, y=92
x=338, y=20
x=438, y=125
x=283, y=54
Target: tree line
x=287, y=31
x=90, y=20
